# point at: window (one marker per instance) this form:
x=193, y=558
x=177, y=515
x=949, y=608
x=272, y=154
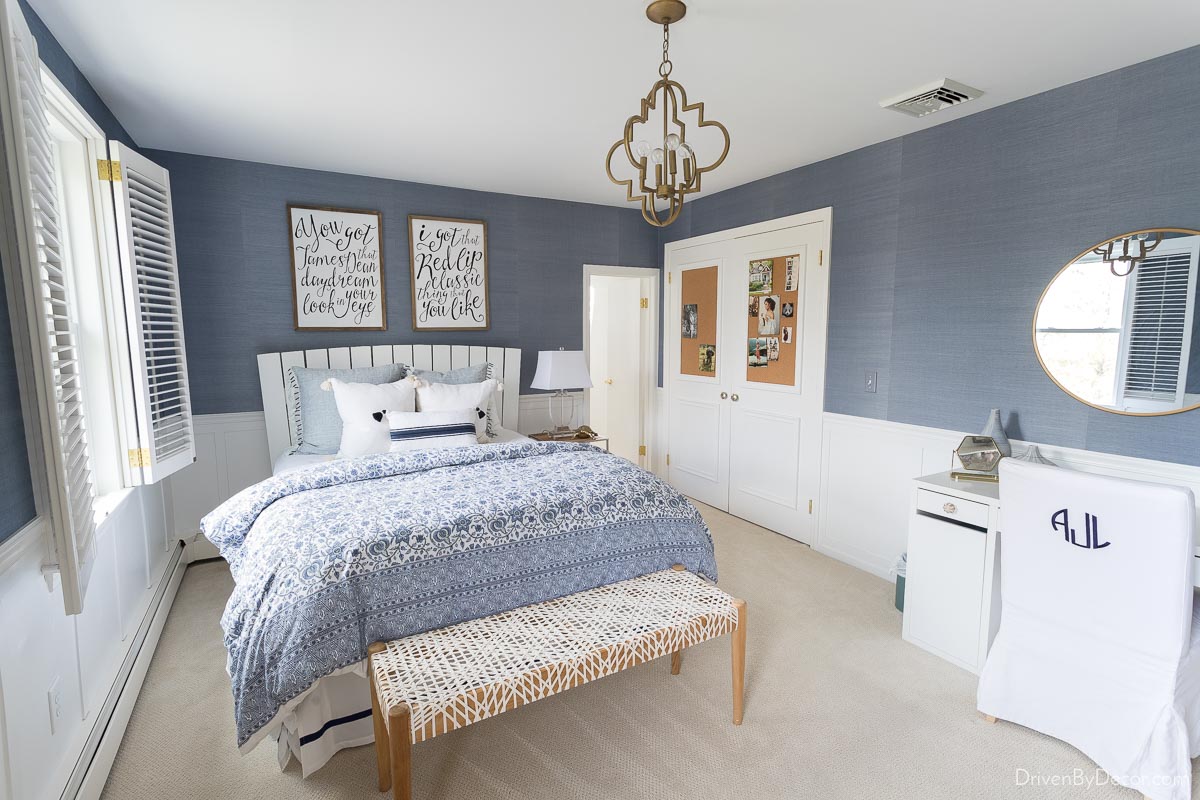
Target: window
x=76, y=139
x=89, y=256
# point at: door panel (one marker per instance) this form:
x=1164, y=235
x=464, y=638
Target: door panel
x=698, y=419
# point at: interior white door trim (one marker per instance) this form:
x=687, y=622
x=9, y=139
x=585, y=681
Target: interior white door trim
x=651, y=329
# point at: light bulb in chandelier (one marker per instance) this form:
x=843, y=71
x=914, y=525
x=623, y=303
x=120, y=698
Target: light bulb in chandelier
x=672, y=141
x=686, y=151
x=657, y=156
x=642, y=149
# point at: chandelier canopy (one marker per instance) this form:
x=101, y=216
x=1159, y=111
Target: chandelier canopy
x=669, y=169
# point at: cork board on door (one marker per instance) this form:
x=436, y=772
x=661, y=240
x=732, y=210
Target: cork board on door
x=697, y=320
x=774, y=326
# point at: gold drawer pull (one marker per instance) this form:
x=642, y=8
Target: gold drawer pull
x=949, y=508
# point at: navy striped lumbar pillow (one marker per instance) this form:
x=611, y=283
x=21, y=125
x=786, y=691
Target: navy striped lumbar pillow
x=422, y=430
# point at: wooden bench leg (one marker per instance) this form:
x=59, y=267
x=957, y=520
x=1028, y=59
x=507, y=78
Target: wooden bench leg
x=676, y=660
x=988, y=718
x=400, y=740
x=739, y=660
x=382, y=754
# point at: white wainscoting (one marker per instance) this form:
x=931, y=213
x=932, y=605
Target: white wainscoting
x=231, y=454
x=866, y=482
x=89, y=654
x=867, y=467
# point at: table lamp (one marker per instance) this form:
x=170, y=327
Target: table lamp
x=561, y=370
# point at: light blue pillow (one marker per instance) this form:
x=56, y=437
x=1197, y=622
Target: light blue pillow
x=473, y=374
x=318, y=425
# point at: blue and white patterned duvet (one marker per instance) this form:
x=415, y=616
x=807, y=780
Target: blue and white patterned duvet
x=332, y=557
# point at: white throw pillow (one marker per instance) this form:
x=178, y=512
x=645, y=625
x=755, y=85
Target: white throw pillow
x=364, y=407
x=459, y=396
x=422, y=430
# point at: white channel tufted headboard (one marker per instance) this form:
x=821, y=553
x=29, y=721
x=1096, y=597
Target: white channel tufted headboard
x=279, y=402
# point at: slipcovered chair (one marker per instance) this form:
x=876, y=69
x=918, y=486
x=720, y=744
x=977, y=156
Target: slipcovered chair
x=1098, y=645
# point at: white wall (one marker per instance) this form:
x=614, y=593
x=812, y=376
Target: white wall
x=866, y=482
x=867, y=468
x=84, y=652
x=231, y=454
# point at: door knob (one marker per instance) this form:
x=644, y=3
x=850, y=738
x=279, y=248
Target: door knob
x=608, y=381
x=724, y=395
x=734, y=398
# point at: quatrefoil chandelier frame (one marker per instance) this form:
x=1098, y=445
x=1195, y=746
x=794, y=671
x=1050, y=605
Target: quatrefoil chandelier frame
x=671, y=171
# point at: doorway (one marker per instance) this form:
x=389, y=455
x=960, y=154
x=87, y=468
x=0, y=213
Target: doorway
x=620, y=341
x=745, y=369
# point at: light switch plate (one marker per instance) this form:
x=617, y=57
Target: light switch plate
x=872, y=381
x=54, y=702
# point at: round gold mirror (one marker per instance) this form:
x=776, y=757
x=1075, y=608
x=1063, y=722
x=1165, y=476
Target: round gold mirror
x=1116, y=328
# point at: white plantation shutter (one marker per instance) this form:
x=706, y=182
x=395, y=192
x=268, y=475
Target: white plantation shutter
x=1160, y=324
x=49, y=313
x=146, y=239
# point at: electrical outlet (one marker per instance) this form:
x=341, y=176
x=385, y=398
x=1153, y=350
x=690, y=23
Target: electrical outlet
x=872, y=380
x=55, y=700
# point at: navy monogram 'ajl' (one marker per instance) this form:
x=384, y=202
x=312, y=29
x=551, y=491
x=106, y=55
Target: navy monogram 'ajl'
x=1060, y=521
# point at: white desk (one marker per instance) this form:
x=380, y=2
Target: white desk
x=952, y=590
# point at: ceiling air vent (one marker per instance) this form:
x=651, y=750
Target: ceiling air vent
x=932, y=97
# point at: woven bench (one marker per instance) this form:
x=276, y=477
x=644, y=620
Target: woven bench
x=432, y=683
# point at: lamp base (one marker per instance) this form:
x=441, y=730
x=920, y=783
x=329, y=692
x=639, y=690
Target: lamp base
x=562, y=409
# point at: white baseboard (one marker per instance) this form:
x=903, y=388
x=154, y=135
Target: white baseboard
x=867, y=467
x=93, y=768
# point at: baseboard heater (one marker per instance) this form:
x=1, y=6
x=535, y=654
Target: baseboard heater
x=91, y=769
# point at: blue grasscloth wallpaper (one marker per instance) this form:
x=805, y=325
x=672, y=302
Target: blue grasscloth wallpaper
x=235, y=274
x=943, y=241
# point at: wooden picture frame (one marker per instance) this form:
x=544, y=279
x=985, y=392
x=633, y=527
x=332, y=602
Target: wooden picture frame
x=433, y=253
x=343, y=304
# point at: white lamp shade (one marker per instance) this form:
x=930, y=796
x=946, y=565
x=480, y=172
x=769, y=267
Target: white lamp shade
x=561, y=369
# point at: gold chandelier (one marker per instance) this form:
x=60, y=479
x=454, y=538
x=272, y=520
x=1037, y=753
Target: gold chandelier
x=669, y=171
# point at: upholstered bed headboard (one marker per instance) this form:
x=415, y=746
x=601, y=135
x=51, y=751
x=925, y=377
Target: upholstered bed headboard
x=279, y=402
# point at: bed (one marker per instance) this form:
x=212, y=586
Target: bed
x=330, y=556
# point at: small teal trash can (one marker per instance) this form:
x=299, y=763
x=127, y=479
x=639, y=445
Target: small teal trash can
x=900, y=570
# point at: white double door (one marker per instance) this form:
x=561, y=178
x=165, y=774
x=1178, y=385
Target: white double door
x=742, y=438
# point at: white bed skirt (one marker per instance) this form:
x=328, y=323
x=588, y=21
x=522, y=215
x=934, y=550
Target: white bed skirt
x=333, y=715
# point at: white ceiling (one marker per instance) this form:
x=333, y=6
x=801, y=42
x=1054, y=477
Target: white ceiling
x=526, y=97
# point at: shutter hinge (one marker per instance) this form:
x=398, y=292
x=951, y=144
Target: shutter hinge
x=641, y=449
x=645, y=302
x=108, y=170
x=820, y=257
x=668, y=459
x=139, y=457
x=810, y=506
x=668, y=277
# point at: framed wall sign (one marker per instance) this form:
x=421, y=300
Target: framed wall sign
x=337, y=269
x=448, y=258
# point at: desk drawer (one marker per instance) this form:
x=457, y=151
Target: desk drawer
x=955, y=509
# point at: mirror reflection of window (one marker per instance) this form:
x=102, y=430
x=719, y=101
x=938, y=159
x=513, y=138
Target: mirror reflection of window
x=1126, y=343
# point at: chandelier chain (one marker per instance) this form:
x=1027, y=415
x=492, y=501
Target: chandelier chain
x=664, y=69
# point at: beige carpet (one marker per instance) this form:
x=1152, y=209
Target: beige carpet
x=837, y=706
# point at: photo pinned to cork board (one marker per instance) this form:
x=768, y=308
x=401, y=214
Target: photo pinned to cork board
x=773, y=319
x=698, y=322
